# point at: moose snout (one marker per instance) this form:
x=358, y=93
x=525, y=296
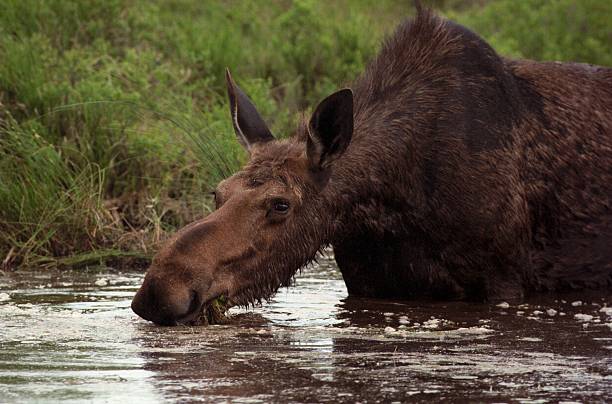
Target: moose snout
x=165, y=303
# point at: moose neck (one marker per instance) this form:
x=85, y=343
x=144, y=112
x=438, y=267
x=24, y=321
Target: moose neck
x=374, y=197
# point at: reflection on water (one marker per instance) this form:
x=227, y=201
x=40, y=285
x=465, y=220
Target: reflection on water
x=71, y=336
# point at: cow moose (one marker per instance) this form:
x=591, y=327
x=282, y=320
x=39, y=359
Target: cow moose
x=444, y=172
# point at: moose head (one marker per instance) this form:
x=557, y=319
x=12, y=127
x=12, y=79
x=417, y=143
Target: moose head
x=271, y=217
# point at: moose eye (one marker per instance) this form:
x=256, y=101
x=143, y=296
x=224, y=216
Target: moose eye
x=281, y=206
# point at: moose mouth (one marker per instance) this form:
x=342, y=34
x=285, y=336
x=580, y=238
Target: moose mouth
x=210, y=312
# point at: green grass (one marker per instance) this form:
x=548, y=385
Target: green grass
x=113, y=119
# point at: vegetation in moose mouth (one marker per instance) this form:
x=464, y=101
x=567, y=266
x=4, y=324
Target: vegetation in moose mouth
x=213, y=312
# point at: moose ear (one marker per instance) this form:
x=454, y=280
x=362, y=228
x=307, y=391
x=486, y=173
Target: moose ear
x=330, y=129
x=250, y=128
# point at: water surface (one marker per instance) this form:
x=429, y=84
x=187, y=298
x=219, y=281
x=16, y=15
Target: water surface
x=71, y=336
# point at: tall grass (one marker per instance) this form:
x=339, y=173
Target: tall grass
x=40, y=194
x=113, y=120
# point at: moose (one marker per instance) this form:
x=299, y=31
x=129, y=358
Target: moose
x=444, y=172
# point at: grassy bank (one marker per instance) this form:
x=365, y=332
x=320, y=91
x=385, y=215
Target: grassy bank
x=113, y=120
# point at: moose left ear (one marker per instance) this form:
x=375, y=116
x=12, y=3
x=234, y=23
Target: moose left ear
x=250, y=128
x=330, y=129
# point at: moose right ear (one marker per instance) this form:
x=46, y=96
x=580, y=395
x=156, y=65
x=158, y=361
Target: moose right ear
x=330, y=130
x=250, y=128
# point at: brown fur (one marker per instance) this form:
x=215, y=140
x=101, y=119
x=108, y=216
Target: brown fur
x=464, y=176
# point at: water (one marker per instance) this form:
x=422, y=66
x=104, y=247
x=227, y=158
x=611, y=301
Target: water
x=71, y=336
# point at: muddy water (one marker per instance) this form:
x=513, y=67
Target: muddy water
x=71, y=336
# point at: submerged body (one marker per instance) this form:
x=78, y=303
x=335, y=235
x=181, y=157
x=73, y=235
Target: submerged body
x=447, y=172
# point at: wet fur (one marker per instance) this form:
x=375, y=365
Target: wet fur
x=468, y=176
x=472, y=176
